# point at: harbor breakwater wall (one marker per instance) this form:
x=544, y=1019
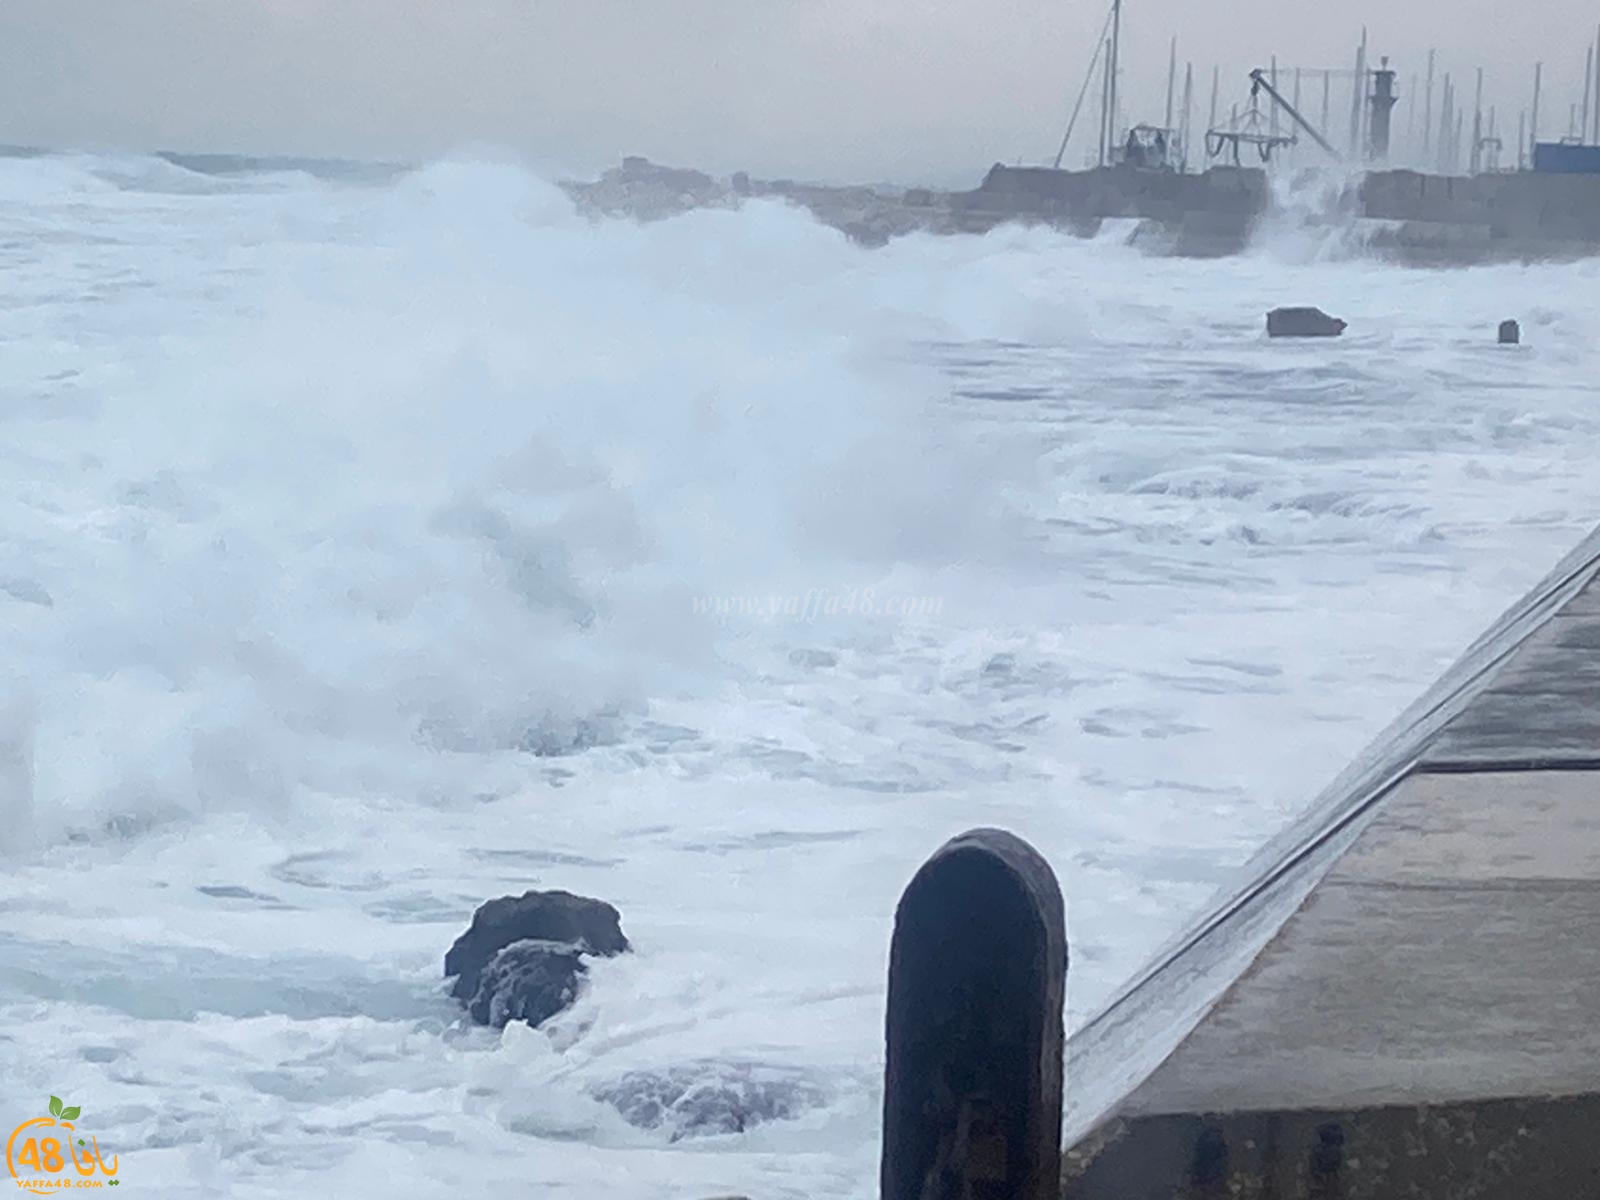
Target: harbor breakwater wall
x=1194, y=215
x=1512, y=215
x=1397, y=214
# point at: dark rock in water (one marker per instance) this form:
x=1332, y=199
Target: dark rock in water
x=815, y=659
x=27, y=591
x=564, y=738
x=1510, y=333
x=521, y=951
x=527, y=981
x=707, y=1099
x=1303, y=322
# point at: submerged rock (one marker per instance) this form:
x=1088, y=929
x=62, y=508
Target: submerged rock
x=527, y=981
x=522, y=957
x=816, y=660
x=710, y=1098
x=27, y=591
x=1303, y=322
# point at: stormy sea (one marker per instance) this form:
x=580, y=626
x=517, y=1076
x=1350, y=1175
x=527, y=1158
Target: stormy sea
x=374, y=543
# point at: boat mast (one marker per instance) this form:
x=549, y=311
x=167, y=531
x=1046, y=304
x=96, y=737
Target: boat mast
x=1533, y=123
x=1188, y=104
x=1172, y=83
x=1105, y=104
x=1088, y=79
x=1116, y=66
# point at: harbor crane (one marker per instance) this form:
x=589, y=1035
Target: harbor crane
x=1259, y=83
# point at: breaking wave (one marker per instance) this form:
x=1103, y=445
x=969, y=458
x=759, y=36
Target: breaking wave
x=447, y=484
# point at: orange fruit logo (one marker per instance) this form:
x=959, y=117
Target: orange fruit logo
x=47, y=1154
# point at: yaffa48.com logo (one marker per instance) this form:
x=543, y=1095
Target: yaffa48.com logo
x=50, y=1154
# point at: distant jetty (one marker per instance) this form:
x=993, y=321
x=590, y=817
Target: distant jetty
x=1400, y=215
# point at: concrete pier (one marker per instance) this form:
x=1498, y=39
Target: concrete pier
x=1402, y=997
x=1413, y=218
x=1511, y=215
x=1201, y=216
x=1420, y=219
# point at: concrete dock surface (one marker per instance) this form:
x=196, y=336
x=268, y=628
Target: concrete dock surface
x=1402, y=997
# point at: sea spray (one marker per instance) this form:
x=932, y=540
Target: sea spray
x=372, y=519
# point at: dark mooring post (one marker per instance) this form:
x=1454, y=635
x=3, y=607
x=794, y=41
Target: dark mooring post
x=977, y=979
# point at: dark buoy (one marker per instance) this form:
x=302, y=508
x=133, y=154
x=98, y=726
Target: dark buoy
x=1510, y=333
x=977, y=977
x=1303, y=322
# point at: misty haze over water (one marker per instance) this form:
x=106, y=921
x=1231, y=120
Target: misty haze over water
x=823, y=89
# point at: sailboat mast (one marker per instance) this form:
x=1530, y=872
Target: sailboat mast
x=1188, y=105
x=1116, y=65
x=1172, y=84
x=1105, y=104
x=1088, y=82
x=1533, y=121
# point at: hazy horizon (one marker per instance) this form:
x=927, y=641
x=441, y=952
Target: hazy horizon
x=874, y=90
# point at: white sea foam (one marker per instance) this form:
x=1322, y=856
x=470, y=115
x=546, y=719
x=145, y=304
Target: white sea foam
x=351, y=540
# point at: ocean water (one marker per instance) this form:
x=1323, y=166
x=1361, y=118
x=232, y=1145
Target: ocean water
x=372, y=545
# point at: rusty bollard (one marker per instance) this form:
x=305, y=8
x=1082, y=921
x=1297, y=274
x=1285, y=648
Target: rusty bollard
x=977, y=980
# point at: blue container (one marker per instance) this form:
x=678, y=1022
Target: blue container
x=1564, y=158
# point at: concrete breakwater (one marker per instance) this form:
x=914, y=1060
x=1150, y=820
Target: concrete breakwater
x=1202, y=215
x=1514, y=215
x=1396, y=214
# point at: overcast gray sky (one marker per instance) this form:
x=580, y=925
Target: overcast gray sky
x=868, y=89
